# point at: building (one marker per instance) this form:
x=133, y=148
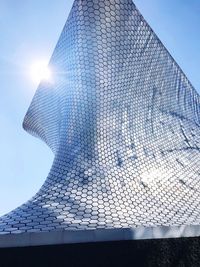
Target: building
x=123, y=122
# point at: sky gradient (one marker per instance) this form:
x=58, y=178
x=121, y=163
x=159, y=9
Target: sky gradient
x=29, y=32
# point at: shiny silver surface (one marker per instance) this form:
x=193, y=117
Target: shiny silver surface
x=123, y=122
x=62, y=236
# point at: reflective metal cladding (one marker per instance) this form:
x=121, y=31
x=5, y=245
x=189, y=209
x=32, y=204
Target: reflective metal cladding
x=123, y=122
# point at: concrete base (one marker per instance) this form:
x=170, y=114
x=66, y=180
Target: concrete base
x=176, y=252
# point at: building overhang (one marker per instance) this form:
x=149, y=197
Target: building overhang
x=60, y=237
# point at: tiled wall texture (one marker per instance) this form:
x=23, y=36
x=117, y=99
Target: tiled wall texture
x=124, y=124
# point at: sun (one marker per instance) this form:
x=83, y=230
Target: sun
x=39, y=71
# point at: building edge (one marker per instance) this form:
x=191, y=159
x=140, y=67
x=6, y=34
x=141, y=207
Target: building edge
x=61, y=237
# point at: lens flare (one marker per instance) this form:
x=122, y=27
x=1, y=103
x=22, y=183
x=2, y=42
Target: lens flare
x=40, y=71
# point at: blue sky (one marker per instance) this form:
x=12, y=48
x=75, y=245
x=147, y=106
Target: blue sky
x=29, y=30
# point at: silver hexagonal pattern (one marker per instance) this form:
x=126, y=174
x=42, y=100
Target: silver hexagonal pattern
x=123, y=122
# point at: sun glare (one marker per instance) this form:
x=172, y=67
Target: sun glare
x=40, y=71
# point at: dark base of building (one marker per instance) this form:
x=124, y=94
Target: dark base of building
x=161, y=252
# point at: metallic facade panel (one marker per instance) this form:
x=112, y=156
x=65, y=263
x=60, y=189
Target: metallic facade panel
x=123, y=122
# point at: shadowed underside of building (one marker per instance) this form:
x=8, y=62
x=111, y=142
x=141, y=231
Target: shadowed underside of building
x=123, y=122
x=178, y=252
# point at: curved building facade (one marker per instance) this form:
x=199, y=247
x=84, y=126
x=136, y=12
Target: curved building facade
x=124, y=124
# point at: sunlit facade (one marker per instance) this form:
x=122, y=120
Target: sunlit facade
x=124, y=124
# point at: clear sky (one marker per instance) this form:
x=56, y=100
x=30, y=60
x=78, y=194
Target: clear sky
x=29, y=30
